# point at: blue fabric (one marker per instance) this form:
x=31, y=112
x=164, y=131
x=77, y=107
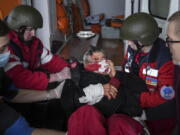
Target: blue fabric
x=4, y=57
x=20, y=127
x=12, y=87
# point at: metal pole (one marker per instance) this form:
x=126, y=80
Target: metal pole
x=132, y=6
x=139, y=5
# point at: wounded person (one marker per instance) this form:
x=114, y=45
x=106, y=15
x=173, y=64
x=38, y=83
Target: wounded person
x=95, y=72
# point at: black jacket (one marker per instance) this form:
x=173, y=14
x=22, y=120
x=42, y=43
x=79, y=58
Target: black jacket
x=127, y=100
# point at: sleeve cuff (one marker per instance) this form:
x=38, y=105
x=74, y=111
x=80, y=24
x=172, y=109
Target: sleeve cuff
x=115, y=82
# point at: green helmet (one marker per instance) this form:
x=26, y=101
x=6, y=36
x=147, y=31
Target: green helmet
x=141, y=27
x=24, y=15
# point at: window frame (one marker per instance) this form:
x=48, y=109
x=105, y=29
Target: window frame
x=149, y=8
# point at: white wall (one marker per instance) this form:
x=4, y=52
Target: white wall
x=174, y=6
x=44, y=33
x=108, y=7
x=55, y=34
x=128, y=7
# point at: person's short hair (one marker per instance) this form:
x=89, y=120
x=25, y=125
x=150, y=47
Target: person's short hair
x=87, y=55
x=176, y=19
x=4, y=29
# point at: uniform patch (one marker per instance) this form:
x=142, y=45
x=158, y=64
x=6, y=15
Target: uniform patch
x=151, y=81
x=150, y=72
x=167, y=92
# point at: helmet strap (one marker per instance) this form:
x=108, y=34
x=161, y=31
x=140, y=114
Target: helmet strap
x=21, y=32
x=135, y=67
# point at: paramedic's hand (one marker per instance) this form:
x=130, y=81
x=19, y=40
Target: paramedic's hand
x=112, y=72
x=110, y=91
x=60, y=76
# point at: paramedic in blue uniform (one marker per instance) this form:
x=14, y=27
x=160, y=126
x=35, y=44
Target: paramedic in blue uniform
x=173, y=42
x=148, y=57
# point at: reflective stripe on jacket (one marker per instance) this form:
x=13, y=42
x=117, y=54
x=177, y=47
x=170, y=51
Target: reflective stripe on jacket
x=24, y=72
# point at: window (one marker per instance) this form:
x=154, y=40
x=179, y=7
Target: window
x=159, y=8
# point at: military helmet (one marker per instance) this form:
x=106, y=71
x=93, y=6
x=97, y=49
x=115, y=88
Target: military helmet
x=24, y=15
x=140, y=27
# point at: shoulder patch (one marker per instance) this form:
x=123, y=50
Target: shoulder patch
x=167, y=92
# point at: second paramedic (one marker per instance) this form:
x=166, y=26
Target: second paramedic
x=30, y=59
x=148, y=57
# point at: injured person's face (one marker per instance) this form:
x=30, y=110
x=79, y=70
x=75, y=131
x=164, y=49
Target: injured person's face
x=97, y=57
x=97, y=63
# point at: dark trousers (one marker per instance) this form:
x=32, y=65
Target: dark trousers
x=45, y=114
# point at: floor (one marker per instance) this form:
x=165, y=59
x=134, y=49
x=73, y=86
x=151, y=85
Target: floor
x=76, y=47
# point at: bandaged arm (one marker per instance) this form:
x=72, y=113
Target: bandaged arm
x=93, y=94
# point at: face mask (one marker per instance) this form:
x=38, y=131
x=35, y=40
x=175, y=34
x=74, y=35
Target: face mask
x=4, y=58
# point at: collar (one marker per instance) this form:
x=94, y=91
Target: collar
x=153, y=54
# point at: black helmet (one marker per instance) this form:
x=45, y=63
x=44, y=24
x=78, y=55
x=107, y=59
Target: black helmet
x=24, y=15
x=140, y=27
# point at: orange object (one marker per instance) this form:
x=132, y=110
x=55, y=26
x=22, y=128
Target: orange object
x=62, y=18
x=77, y=20
x=96, y=28
x=7, y=5
x=117, y=21
x=120, y=16
x=85, y=7
x=116, y=24
x=1, y=15
x=59, y=1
